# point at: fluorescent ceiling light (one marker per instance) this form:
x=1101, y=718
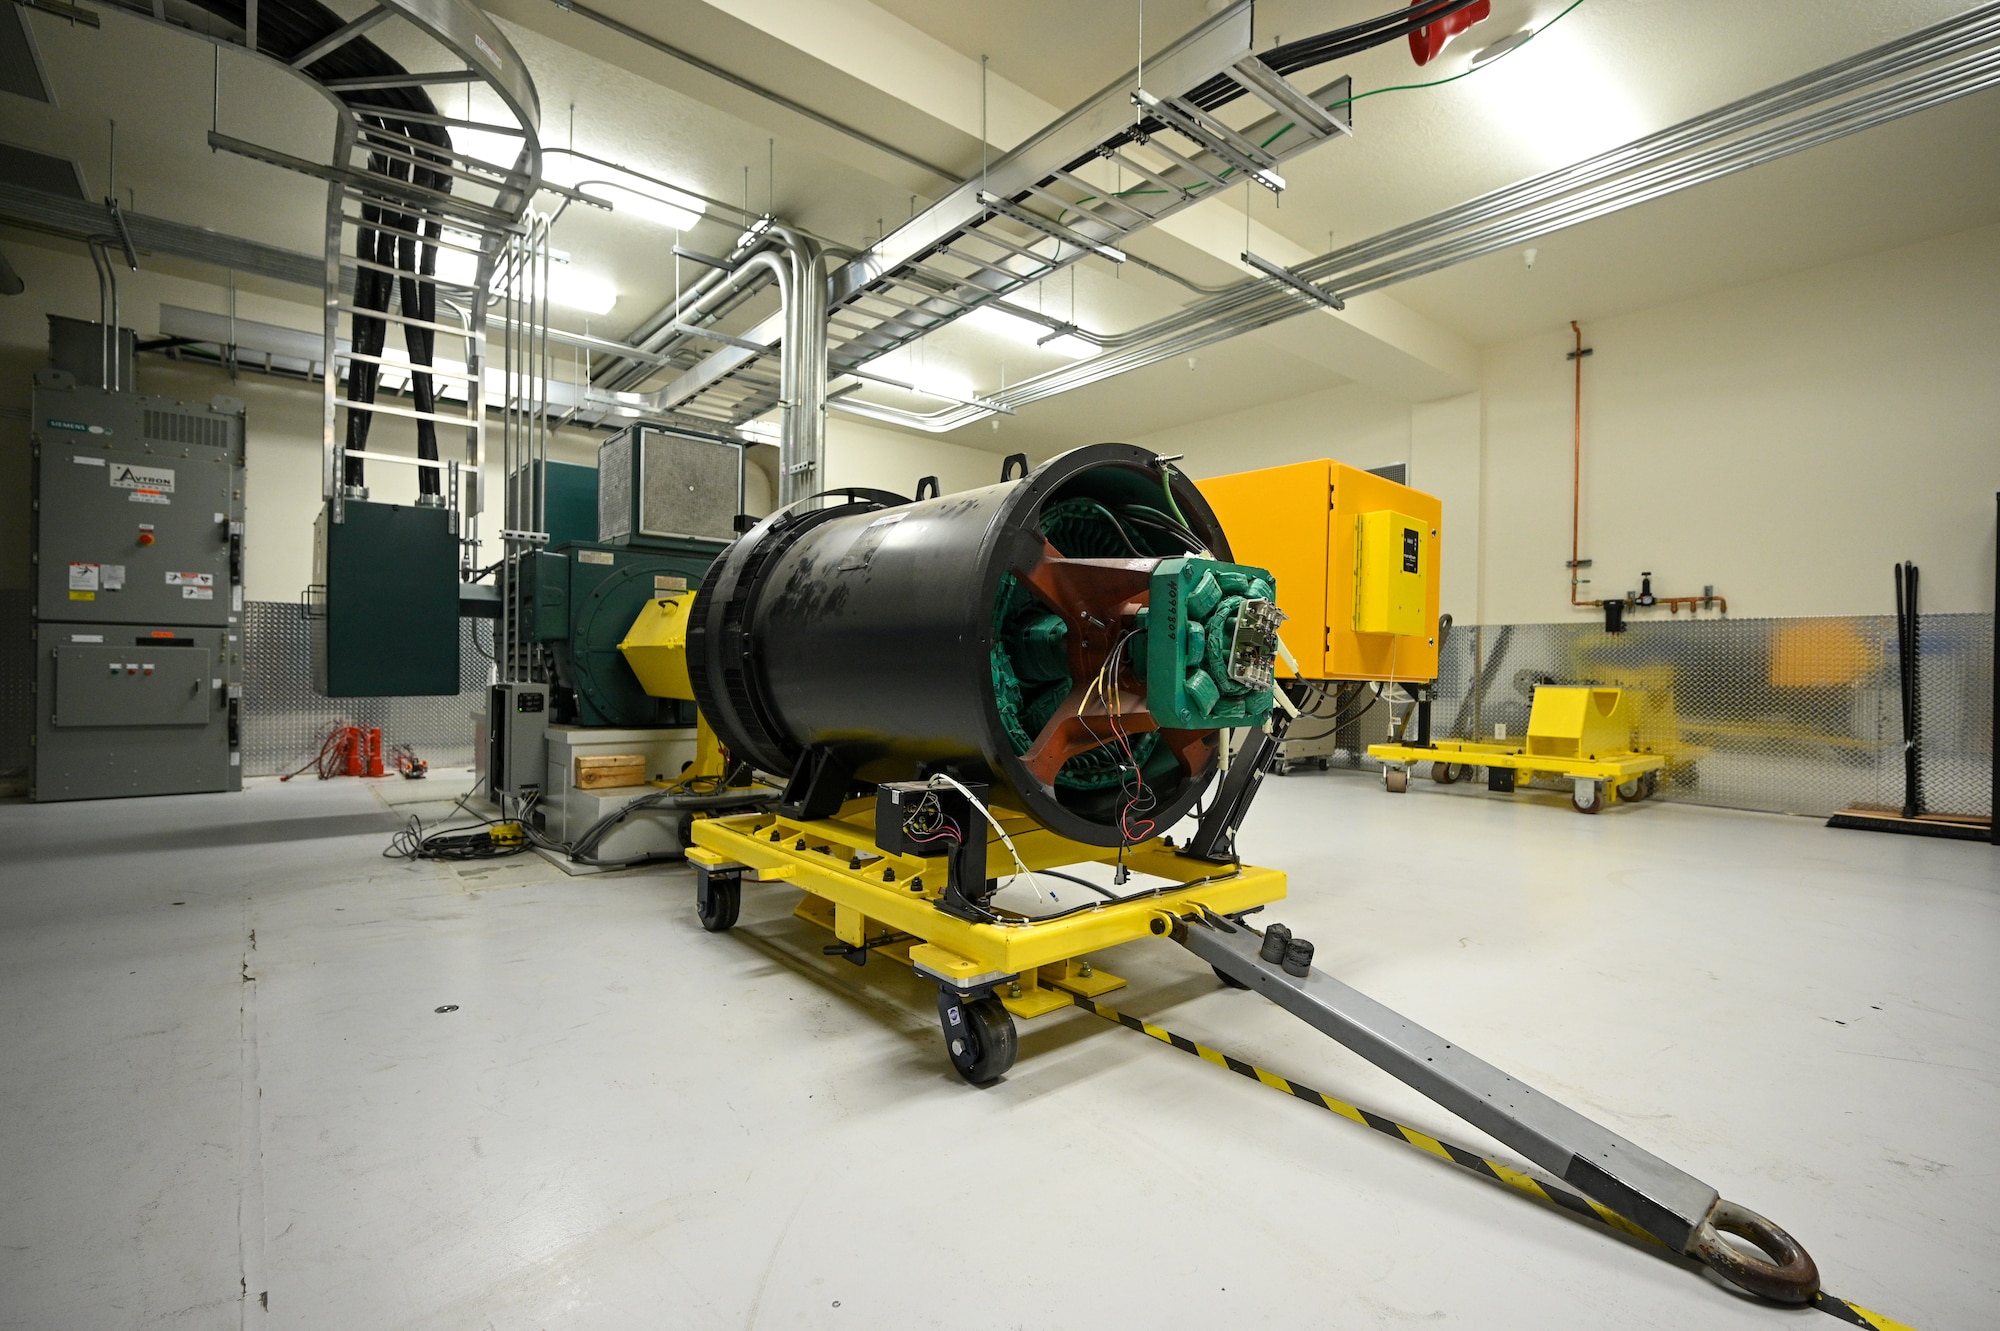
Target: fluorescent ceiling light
x=499, y=150
x=590, y=292
x=456, y=266
x=1027, y=332
x=1557, y=99
x=628, y=195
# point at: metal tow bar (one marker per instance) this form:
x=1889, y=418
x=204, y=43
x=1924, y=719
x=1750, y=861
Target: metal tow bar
x=1673, y=1206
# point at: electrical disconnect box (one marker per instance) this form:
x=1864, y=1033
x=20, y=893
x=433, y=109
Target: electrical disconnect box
x=384, y=602
x=654, y=485
x=517, y=729
x=138, y=551
x=1389, y=564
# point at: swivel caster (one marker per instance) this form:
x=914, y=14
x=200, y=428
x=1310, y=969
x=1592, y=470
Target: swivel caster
x=978, y=1035
x=1395, y=780
x=1633, y=790
x=1446, y=774
x=718, y=896
x=1587, y=797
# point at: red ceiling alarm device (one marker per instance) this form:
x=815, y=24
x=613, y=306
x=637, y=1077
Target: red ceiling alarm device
x=1428, y=41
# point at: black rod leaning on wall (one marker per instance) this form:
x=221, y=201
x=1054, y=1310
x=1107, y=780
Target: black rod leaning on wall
x=1907, y=665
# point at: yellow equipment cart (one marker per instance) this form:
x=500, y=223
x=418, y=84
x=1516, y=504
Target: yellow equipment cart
x=1579, y=733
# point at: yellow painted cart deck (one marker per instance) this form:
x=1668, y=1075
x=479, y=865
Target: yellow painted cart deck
x=1596, y=781
x=886, y=904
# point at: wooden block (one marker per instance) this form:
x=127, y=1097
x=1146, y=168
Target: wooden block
x=611, y=769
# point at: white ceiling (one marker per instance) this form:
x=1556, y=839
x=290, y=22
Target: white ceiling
x=1610, y=70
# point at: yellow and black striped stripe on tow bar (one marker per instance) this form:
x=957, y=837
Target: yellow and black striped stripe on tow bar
x=1573, y=1202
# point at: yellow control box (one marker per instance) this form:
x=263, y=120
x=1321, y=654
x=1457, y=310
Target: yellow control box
x=1389, y=564
x=1325, y=529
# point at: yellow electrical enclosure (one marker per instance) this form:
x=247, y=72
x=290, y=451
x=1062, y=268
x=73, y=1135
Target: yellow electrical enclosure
x=656, y=647
x=1356, y=559
x=1389, y=564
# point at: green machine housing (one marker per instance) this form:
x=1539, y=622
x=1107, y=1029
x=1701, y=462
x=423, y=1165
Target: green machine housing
x=581, y=599
x=647, y=521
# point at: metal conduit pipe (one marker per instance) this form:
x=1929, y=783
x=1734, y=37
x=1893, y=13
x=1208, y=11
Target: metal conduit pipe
x=656, y=332
x=1701, y=149
x=796, y=264
x=1891, y=59
x=662, y=333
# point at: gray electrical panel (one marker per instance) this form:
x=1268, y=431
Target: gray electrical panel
x=655, y=484
x=517, y=732
x=138, y=550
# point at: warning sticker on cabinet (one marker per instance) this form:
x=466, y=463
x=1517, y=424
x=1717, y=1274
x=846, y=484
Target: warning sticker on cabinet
x=83, y=577
x=111, y=577
x=197, y=593
x=190, y=579
x=126, y=476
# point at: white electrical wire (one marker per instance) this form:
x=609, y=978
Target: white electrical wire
x=1285, y=655
x=942, y=780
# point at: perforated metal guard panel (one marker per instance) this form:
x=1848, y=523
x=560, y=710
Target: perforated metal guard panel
x=614, y=488
x=1785, y=715
x=284, y=720
x=689, y=487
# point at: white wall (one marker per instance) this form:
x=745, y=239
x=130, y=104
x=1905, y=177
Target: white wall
x=283, y=494
x=1785, y=441
x=858, y=453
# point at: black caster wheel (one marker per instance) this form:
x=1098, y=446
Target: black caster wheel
x=1326, y=764
x=978, y=1035
x=1229, y=980
x=717, y=899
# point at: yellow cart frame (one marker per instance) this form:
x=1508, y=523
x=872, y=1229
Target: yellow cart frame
x=1595, y=781
x=885, y=904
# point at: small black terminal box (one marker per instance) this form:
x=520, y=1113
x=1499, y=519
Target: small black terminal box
x=918, y=818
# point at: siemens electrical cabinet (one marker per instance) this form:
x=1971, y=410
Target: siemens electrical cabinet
x=138, y=548
x=384, y=602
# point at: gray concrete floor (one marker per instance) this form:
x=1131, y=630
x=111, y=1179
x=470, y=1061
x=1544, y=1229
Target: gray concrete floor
x=221, y=1070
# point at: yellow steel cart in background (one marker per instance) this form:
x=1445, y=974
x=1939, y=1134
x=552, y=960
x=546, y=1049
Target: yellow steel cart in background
x=1584, y=734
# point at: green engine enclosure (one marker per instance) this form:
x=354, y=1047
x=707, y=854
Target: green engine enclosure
x=581, y=600
x=1190, y=620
